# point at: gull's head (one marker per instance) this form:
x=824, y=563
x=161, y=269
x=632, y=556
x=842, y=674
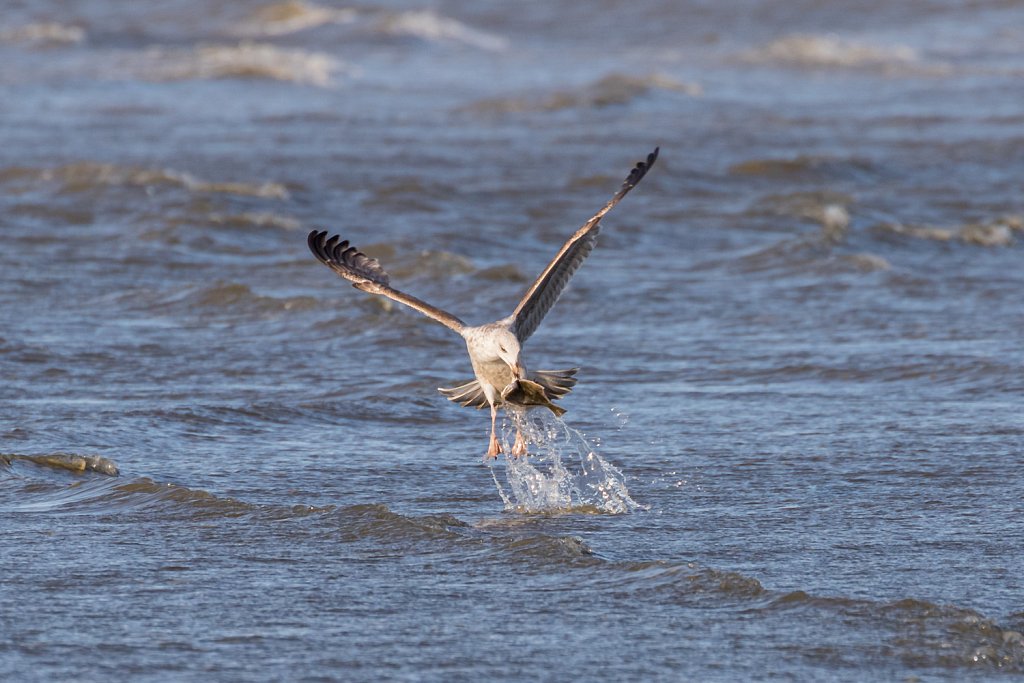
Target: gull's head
x=505, y=346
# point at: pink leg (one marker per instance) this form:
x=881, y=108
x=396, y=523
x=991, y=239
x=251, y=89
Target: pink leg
x=494, y=448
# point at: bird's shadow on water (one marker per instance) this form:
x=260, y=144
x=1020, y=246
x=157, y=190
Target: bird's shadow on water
x=562, y=473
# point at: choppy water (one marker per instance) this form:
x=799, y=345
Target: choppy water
x=800, y=341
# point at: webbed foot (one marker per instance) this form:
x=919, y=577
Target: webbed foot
x=519, y=447
x=494, y=448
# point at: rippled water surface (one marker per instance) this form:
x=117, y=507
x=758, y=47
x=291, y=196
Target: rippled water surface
x=800, y=341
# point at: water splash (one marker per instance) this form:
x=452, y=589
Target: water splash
x=561, y=472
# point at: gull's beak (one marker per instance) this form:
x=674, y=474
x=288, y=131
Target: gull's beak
x=517, y=370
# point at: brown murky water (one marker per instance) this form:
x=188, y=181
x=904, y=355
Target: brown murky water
x=800, y=341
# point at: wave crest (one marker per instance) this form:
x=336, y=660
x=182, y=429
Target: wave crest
x=65, y=461
x=292, y=16
x=833, y=52
x=430, y=26
x=610, y=90
x=240, y=298
x=44, y=34
x=244, y=60
x=998, y=232
x=85, y=176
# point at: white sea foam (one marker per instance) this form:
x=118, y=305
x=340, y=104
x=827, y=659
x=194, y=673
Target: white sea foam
x=43, y=33
x=244, y=60
x=433, y=27
x=293, y=16
x=562, y=471
x=998, y=232
x=831, y=51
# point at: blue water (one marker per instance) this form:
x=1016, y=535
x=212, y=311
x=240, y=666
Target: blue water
x=794, y=452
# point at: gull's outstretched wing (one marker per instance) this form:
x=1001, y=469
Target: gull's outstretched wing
x=366, y=274
x=543, y=294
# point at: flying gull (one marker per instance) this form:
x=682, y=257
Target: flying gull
x=494, y=348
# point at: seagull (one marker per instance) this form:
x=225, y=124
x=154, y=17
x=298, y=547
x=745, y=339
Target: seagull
x=494, y=349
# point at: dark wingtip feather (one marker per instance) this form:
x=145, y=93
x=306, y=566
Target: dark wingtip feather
x=314, y=240
x=336, y=253
x=321, y=246
x=641, y=169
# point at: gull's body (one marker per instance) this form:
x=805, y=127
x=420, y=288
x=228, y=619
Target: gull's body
x=494, y=349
